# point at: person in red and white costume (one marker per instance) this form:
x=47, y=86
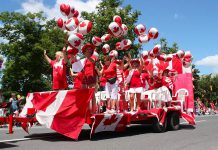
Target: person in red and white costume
x=76, y=77
x=135, y=83
x=89, y=72
x=110, y=73
x=59, y=69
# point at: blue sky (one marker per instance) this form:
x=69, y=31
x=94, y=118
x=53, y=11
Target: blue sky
x=193, y=24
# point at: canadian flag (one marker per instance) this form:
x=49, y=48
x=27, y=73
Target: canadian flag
x=109, y=122
x=63, y=111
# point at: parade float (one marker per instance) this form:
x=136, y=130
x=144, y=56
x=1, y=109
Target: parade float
x=66, y=111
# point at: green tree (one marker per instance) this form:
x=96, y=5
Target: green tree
x=28, y=35
x=103, y=16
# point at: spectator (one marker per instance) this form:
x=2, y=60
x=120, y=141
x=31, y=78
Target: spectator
x=14, y=107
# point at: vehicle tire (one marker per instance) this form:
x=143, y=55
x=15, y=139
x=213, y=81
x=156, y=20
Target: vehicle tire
x=157, y=128
x=173, y=121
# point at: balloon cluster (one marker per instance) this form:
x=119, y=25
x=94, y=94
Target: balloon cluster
x=185, y=57
x=76, y=29
x=140, y=30
x=116, y=29
x=1, y=61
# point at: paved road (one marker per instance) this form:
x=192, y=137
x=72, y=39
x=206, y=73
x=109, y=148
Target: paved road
x=203, y=136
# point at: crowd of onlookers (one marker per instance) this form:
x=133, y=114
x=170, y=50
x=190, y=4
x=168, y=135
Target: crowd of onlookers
x=204, y=107
x=13, y=105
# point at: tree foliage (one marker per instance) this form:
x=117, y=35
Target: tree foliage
x=208, y=87
x=103, y=16
x=28, y=35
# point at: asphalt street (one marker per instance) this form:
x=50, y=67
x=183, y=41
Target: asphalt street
x=137, y=137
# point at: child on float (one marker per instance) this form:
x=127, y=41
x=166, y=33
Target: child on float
x=59, y=69
x=135, y=83
x=110, y=73
x=76, y=77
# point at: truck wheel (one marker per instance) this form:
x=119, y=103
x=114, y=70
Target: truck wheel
x=157, y=127
x=173, y=121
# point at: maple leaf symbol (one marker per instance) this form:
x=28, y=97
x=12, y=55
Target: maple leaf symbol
x=125, y=28
x=142, y=30
x=162, y=65
x=116, y=29
x=94, y=42
x=111, y=120
x=125, y=42
x=83, y=24
x=77, y=43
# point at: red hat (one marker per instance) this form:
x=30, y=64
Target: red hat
x=134, y=60
x=88, y=45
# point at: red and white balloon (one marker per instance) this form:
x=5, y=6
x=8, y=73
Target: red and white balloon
x=143, y=38
x=96, y=41
x=76, y=40
x=157, y=49
x=180, y=53
x=115, y=29
x=105, y=48
x=118, y=46
x=117, y=19
x=72, y=24
x=145, y=55
x=187, y=55
x=153, y=33
x=105, y=37
x=125, y=30
x=65, y=9
x=72, y=50
x=125, y=44
x=113, y=53
x=61, y=23
x=140, y=29
x=85, y=27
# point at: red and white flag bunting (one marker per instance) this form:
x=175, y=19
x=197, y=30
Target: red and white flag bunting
x=63, y=111
x=109, y=122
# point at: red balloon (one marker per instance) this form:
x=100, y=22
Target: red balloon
x=117, y=19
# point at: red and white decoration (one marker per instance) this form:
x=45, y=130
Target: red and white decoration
x=125, y=30
x=65, y=9
x=125, y=44
x=96, y=41
x=106, y=49
x=157, y=49
x=113, y=53
x=72, y=50
x=180, y=53
x=85, y=27
x=115, y=29
x=143, y=38
x=53, y=111
x=140, y=29
x=153, y=33
x=76, y=40
x=72, y=24
x=61, y=23
x=117, y=19
x=145, y=55
x=118, y=46
x=105, y=37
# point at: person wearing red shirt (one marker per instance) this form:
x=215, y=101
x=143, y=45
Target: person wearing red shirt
x=135, y=83
x=89, y=72
x=112, y=84
x=59, y=69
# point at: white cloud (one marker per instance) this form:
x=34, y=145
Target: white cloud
x=54, y=11
x=209, y=61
